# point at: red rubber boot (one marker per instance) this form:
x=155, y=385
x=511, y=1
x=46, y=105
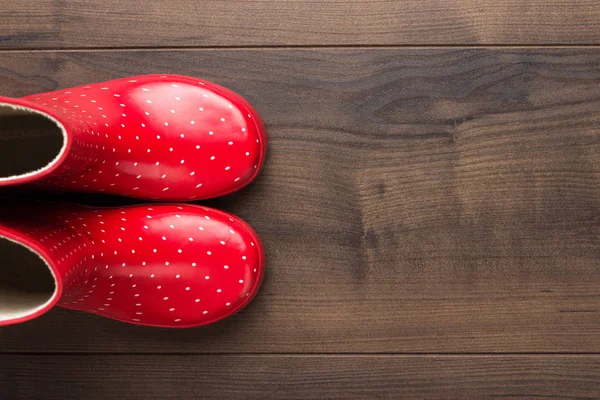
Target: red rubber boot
x=164, y=137
x=170, y=266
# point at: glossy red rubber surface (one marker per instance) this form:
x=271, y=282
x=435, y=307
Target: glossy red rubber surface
x=157, y=265
x=162, y=137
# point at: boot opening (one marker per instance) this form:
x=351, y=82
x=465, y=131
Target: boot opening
x=27, y=284
x=30, y=142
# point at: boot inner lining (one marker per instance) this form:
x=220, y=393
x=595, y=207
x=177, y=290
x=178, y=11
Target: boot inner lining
x=30, y=141
x=27, y=283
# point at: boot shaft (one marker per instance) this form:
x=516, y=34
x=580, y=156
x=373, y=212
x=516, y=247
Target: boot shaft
x=34, y=141
x=42, y=254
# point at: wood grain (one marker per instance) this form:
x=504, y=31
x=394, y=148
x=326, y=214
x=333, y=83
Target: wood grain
x=412, y=200
x=66, y=377
x=31, y=24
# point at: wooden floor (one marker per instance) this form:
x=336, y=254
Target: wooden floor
x=430, y=204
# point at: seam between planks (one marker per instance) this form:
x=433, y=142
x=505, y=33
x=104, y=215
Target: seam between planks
x=300, y=47
x=283, y=354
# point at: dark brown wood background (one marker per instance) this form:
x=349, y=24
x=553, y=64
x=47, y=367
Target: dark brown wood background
x=430, y=203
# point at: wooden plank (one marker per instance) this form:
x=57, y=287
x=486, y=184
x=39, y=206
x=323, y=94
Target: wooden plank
x=150, y=23
x=412, y=200
x=65, y=377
